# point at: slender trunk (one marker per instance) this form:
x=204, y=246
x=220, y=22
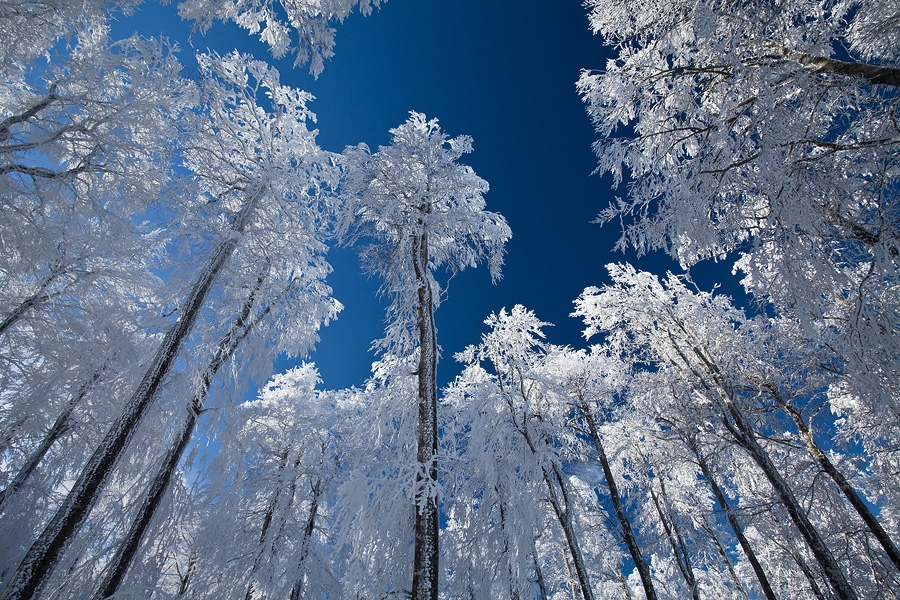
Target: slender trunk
x=737, y=424
x=735, y=525
x=45, y=552
x=10, y=432
x=35, y=300
x=267, y=522
x=563, y=509
x=554, y=480
x=59, y=428
x=538, y=574
x=627, y=531
x=676, y=540
x=624, y=583
x=846, y=488
x=185, y=580
x=807, y=572
x=738, y=586
x=117, y=568
x=425, y=560
x=742, y=433
x=297, y=589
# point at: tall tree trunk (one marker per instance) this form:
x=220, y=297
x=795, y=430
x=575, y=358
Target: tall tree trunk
x=842, y=483
x=733, y=521
x=743, y=434
x=738, y=585
x=34, y=301
x=627, y=531
x=807, y=572
x=59, y=428
x=317, y=490
x=538, y=574
x=46, y=551
x=117, y=568
x=676, y=540
x=563, y=510
x=425, y=550
x=267, y=523
x=737, y=424
x=558, y=494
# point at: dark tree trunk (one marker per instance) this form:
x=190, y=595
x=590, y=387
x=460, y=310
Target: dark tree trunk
x=558, y=495
x=425, y=560
x=59, y=428
x=844, y=485
x=676, y=540
x=317, y=490
x=117, y=568
x=627, y=531
x=735, y=525
x=46, y=551
x=742, y=431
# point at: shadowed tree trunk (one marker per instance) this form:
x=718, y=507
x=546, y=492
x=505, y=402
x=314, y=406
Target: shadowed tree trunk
x=59, y=428
x=676, y=540
x=627, y=531
x=853, y=497
x=425, y=560
x=317, y=490
x=735, y=525
x=117, y=568
x=742, y=431
x=46, y=551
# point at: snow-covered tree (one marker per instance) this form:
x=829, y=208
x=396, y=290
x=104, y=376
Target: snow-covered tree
x=425, y=212
x=766, y=132
x=759, y=384
x=278, y=21
x=256, y=173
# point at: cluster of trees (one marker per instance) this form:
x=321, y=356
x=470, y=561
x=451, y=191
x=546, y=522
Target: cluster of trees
x=160, y=234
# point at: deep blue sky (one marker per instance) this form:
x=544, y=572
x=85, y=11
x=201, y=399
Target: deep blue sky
x=502, y=71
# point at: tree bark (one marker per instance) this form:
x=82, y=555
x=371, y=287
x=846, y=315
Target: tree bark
x=117, y=568
x=59, y=428
x=425, y=551
x=735, y=525
x=869, y=74
x=740, y=429
x=559, y=500
x=46, y=551
x=627, y=531
x=317, y=490
x=844, y=485
x=676, y=540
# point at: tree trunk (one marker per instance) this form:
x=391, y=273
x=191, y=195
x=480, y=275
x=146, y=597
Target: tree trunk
x=735, y=525
x=744, y=435
x=676, y=540
x=867, y=74
x=738, y=586
x=627, y=531
x=559, y=501
x=742, y=432
x=38, y=298
x=425, y=560
x=59, y=428
x=563, y=510
x=266, y=524
x=46, y=551
x=317, y=490
x=117, y=568
x=846, y=488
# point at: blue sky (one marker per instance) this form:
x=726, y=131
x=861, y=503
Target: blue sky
x=502, y=71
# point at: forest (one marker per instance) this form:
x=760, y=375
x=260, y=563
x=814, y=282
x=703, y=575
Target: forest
x=166, y=234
